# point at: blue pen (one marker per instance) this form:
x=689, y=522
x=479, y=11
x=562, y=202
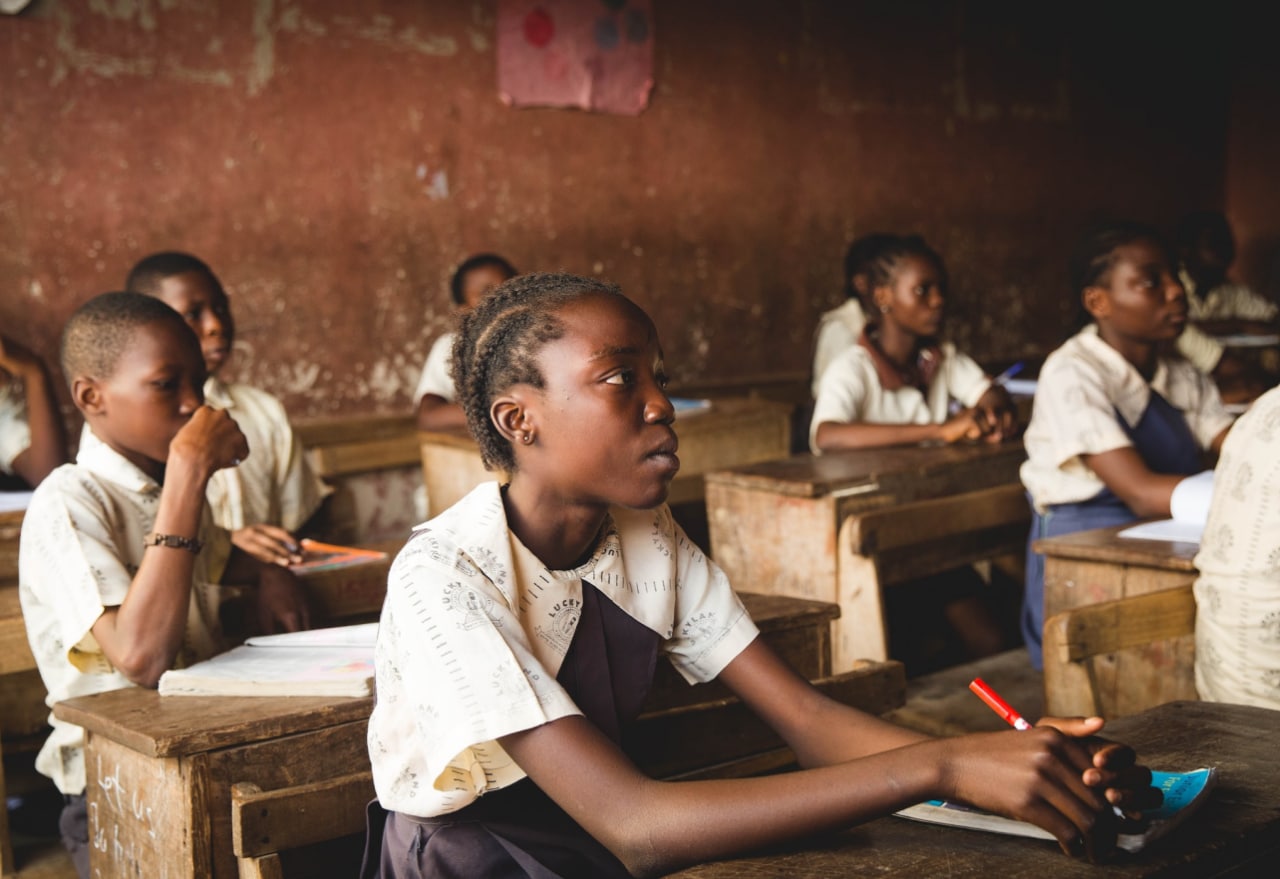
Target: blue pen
x=1008, y=373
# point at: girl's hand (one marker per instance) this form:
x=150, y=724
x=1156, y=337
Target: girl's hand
x=964, y=425
x=1036, y=776
x=268, y=543
x=996, y=414
x=1115, y=769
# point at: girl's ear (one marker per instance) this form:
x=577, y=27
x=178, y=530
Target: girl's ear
x=1096, y=301
x=511, y=417
x=87, y=395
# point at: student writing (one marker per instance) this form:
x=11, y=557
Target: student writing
x=32, y=439
x=274, y=494
x=897, y=384
x=521, y=628
x=119, y=563
x=437, y=400
x=1116, y=423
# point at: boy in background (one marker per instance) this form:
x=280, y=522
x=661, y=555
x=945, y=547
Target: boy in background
x=119, y=562
x=268, y=500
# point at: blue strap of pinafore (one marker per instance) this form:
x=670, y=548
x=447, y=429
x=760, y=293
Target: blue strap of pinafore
x=1164, y=439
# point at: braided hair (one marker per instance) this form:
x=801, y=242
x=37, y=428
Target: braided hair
x=880, y=268
x=498, y=343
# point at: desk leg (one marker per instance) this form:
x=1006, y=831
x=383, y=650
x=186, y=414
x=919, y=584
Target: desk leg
x=861, y=631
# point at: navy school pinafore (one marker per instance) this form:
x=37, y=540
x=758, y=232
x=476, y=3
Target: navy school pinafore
x=1165, y=443
x=519, y=831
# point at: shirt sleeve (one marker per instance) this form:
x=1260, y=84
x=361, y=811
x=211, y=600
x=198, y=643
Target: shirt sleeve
x=435, y=375
x=15, y=435
x=1206, y=416
x=712, y=625
x=450, y=642
x=834, y=338
x=72, y=565
x=1245, y=304
x=1202, y=350
x=966, y=380
x=1074, y=415
x=301, y=490
x=842, y=395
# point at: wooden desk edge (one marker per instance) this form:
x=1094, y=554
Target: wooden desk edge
x=1105, y=545
x=160, y=726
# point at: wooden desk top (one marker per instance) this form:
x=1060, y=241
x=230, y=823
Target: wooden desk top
x=1236, y=826
x=913, y=472
x=1105, y=545
x=174, y=726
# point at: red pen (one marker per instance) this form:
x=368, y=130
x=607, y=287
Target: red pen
x=998, y=705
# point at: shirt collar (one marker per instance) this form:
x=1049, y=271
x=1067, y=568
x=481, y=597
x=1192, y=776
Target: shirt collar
x=1124, y=386
x=100, y=459
x=890, y=376
x=626, y=563
x=217, y=394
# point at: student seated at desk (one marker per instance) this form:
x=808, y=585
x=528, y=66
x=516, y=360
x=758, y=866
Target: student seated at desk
x=897, y=385
x=1217, y=306
x=840, y=328
x=119, y=563
x=437, y=401
x=522, y=626
x=1116, y=423
x=274, y=494
x=32, y=439
x=1238, y=590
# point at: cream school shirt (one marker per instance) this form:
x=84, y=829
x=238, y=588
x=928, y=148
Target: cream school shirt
x=274, y=485
x=852, y=390
x=1082, y=386
x=838, y=331
x=474, y=629
x=1238, y=590
x=15, y=435
x=435, y=375
x=81, y=545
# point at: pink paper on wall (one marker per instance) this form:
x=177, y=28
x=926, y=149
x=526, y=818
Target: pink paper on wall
x=592, y=54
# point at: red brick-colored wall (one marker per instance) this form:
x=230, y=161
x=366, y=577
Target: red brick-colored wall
x=333, y=160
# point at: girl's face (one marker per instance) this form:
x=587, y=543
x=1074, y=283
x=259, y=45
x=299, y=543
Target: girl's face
x=1140, y=298
x=602, y=422
x=915, y=298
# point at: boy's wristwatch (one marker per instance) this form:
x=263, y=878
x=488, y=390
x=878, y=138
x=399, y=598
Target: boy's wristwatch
x=173, y=541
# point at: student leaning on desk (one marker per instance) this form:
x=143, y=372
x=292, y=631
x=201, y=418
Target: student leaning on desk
x=119, y=562
x=32, y=439
x=522, y=626
x=1116, y=422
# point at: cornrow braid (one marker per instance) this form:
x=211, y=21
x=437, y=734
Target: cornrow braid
x=883, y=264
x=498, y=343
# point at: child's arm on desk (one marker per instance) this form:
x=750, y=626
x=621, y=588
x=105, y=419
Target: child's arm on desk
x=141, y=637
x=866, y=768
x=835, y=436
x=279, y=601
x=1144, y=492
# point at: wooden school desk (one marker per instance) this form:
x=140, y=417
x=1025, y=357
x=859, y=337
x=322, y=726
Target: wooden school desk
x=1236, y=832
x=733, y=432
x=160, y=770
x=1089, y=567
x=842, y=527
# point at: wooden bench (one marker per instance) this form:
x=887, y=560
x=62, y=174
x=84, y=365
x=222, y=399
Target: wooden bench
x=267, y=824
x=1092, y=654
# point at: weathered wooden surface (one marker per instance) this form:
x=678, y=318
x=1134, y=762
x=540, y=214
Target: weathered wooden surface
x=843, y=527
x=1091, y=567
x=734, y=432
x=1077, y=640
x=1235, y=830
x=339, y=447
x=189, y=751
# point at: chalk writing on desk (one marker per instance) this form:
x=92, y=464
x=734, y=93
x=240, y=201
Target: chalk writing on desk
x=116, y=803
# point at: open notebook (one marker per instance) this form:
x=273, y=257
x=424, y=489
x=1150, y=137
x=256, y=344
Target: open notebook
x=319, y=662
x=1190, y=508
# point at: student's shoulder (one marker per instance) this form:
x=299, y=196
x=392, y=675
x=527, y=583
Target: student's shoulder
x=70, y=490
x=240, y=394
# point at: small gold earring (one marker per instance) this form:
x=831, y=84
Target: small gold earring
x=526, y=438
